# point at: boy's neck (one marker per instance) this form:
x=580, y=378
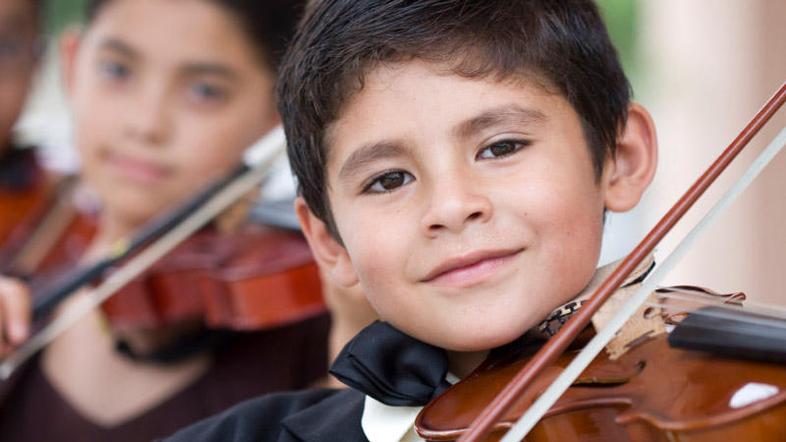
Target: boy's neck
x=463, y=363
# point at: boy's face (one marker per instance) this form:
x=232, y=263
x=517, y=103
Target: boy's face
x=469, y=208
x=166, y=96
x=18, y=32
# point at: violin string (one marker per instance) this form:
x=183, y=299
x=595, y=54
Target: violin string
x=147, y=257
x=580, y=362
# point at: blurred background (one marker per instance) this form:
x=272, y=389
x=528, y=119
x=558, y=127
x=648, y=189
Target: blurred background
x=702, y=67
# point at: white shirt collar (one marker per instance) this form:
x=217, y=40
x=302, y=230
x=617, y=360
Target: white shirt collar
x=386, y=423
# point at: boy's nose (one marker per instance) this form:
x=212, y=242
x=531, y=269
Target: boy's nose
x=454, y=205
x=147, y=118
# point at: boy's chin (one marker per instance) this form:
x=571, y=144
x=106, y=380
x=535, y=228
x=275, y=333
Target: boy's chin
x=468, y=339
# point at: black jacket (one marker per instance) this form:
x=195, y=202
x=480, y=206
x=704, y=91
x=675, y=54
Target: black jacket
x=323, y=415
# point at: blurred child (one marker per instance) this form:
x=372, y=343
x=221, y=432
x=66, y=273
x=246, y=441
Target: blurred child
x=456, y=159
x=166, y=97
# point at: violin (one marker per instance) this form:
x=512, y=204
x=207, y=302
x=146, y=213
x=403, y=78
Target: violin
x=176, y=272
x=252, y=279
x=719, y=375
x=653, y=392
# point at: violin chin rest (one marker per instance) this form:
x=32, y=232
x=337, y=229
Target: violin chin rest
x=735, y=334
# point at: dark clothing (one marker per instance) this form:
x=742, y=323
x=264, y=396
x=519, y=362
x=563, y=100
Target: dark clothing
x=19, y=169
x=250, y=364
x=311, y=416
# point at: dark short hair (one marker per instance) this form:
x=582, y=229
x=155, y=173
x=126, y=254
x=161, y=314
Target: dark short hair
x=561, y=44
x=269, y=23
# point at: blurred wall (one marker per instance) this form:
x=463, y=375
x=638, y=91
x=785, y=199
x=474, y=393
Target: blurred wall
x=709, y=66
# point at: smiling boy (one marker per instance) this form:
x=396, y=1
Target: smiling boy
x=456, y=159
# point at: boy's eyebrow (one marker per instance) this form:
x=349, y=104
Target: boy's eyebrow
x=503, y=114
x=190, y=68
x=206, y=68
x=368, y=154
x=388, y=149
x=116, y=45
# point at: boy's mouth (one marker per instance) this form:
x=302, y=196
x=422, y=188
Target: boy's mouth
x=136, y=169
x=470, y=269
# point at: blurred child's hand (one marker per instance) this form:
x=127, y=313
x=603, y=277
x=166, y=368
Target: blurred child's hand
x=15, y=314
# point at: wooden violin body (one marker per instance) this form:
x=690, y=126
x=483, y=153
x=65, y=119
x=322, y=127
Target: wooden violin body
x=652, y=393
x=252, y=279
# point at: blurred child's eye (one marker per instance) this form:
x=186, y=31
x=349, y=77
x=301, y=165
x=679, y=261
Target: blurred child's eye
x=502, y=148
x=114, y=70
x=206, y=92
x=388, y=182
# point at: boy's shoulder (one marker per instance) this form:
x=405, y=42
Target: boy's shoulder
x=309, y=415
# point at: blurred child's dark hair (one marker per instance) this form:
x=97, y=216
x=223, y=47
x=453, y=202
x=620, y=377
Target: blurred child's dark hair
x=561, y=44
x=269, y=23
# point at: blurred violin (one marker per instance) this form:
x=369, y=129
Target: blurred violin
x=252, y=279
x=175, y=271
x=719, y=375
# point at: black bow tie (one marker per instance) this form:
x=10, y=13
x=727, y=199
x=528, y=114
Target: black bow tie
x=392, y=367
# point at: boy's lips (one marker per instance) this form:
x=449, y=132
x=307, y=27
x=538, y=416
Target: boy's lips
x=470, y=269
x=137, y=169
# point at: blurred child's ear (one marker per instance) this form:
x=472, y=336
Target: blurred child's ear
x=69, y=47
x=331, y=256
x=627, y=174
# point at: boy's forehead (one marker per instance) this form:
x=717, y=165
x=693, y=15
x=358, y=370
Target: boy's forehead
x=207, y=36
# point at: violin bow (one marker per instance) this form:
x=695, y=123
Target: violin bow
x=177, y=229
x=549, y=353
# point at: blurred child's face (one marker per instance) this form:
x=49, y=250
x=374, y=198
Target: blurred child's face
x=468, y=208
x=18, y=32
x=166, y=96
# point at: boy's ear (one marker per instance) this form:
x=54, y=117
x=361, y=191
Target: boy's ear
x=627, y=174
x=331, y=256
x=69, y=47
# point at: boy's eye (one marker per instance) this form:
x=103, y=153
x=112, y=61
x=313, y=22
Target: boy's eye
x=501, y=149
x=114, y=70
x=388, y=182
x=207, y=92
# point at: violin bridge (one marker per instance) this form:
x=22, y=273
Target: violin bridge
x=647, y=322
